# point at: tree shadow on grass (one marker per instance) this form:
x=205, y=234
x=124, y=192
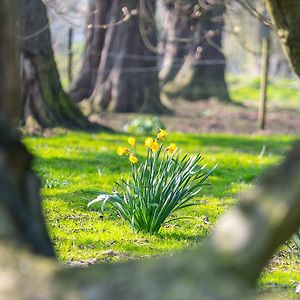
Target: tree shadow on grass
x=107, y=163
x=110, y=163
x=177, y=235
x=245, y=144
x=215, y=142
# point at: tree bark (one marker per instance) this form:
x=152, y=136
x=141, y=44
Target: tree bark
x=9, y=110
x=175, y=40
x=21, y=220
x=202, y=73
x=84, y=83
x=44, y=102
x=286, y=17
x=127, y=71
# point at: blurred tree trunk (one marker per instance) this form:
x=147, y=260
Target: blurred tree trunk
x=21, y=220
x=286, y=17
x=176, y=37
x=44, y=102
x=9, y=88
x=201, y=75
x=126, y=66
x=83, y=85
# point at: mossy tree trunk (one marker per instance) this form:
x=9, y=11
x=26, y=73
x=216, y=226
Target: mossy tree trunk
x=44, y=102
x=21, y=219
x=125, y=75
x=201, y=75
x=225, y=267
x=9, y=88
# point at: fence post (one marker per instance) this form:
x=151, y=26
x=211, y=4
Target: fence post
x=265, y=62
x=70, y=54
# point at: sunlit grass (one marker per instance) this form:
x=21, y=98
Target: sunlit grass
x=283, y=93
x=75, y=167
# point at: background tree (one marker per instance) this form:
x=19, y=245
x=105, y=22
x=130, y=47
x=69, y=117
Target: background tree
x=44, y=102
x=193, y=62
x=226, y=267
x=119, y=71
x=175, y=37
x=84, y=83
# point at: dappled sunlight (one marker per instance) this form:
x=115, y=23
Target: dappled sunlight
x=81, y=233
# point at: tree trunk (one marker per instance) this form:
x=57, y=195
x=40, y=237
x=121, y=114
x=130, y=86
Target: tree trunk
x=202, y=73
x=175, y=40
x=286, y=17
x=127, y=71
x=21, y=220
x=44, y=102
x=84, y=83
x=9, y=110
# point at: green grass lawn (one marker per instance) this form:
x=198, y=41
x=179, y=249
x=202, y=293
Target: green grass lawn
x=282, y=93
x=75, y=167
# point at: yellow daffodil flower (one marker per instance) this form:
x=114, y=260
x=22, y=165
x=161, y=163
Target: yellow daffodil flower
x=154, y=146
x=162, y=134
x=122, y=150
x=131, y=141
x=148, y=142
x=133, y=159
x=171, y=149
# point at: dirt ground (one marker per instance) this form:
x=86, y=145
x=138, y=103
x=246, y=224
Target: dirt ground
x=211, y=116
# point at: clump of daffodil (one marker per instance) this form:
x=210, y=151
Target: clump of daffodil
x=163, y=183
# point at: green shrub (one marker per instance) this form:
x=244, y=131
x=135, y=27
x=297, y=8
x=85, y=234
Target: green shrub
x=144, y=125
x=164, y=183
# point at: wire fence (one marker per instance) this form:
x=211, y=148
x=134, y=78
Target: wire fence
x=238, y=58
